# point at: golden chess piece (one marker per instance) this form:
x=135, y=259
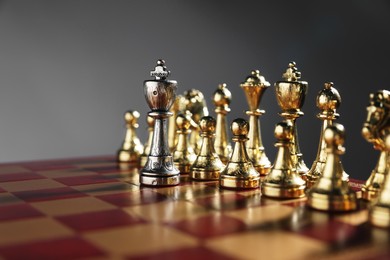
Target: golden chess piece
x=148, y=144
x=328, y=100
x=131, y=148
x=290, y=94
x=177, y=107
x=160, y=94
x=207, y=165
x=183, y=156
x=222, y=98
x=375, y=130
x=379, y=214
x=254, y=87
x=239, y=173
x=331, y=192
x=195, y=104
x=283, y=181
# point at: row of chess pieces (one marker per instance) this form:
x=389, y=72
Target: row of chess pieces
x=184, y=139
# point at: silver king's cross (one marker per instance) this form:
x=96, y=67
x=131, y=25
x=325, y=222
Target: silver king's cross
x=160, y=71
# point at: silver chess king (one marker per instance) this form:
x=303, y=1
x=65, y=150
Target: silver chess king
x=160, y=94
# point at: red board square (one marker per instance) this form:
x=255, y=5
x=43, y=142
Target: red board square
x=83, y=180
x=65, y=248
x=23, y=176
x=99, y=220
x=48, y=194
x=230, y=201
x=103, y=169
x=331, y=232
x=2, y=190
x=18, y=211
x=210, y=226
x=133, y=198
x=47, y=166
x=184, y=253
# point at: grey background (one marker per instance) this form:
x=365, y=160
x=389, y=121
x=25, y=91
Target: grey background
x=69, y=69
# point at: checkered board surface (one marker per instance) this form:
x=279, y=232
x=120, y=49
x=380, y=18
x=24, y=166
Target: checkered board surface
x=92, y=208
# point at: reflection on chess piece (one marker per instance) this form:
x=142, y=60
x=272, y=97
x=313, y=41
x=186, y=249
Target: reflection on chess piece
x=283, y=181
x=177, y=107
x=195, y=104
x=290, y=94
x=328, y=100
x=379, y=214
x=239, y=173
x=254, y=87
x=183, y=156
x=131, y=148
x=160, y=94
x=148, y=144
x=331, y=192
x=374, y=131
x=222, y=98
x=207, y=165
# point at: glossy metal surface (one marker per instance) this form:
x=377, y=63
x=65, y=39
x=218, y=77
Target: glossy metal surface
x=148, y=144
x=177, y=107
x=131, y=147
x=160, y=94
x=222, y=98
x=254, y=87
x=195, y=104
x=328, y=100
x=239, y=172
x=207, y=165
x=379, y=214
x=375, y=131
x=283, y=181
x=183, y=156
x=290, y=94
x=331, y=192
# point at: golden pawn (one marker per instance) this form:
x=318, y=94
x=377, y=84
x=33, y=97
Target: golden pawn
x=283, y=181
x=148, y=144
x=254, y=87
x=239, y=172
x=222, y=98
x=183, y=156
x=328, y=100
x=207, y=165
x=331, y=192
x=177, y=107
x=195, y=104
x=379, y=214
x=374, y=131
x=290, y=94
x=131, y=148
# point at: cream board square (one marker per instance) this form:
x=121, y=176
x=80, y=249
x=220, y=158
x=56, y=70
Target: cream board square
x=31, y=185
x=65, y=173
x=72, y=206
x=140, y=239
x=268, y=245
x=20, y=231
x=167, y=211
x=106, y=188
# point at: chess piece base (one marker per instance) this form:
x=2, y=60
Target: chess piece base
x=263, y=170
x=380, y=216
x=369, y=194
x=282, y=192
x=159, y=180
x=333, y=202
x=201, y=175
x=233, y=182
x=127, y=156
x=183, y=169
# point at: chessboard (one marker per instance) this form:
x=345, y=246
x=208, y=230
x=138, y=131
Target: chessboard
x=95, y=208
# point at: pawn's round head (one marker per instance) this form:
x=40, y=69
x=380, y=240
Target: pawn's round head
x=328, y=98
x=131, y=117
x=182, y=122
x=150, y=121
x=222, y=96
x=240, y=127
x=284, y=131
x=207, y=124
x=335, y=135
